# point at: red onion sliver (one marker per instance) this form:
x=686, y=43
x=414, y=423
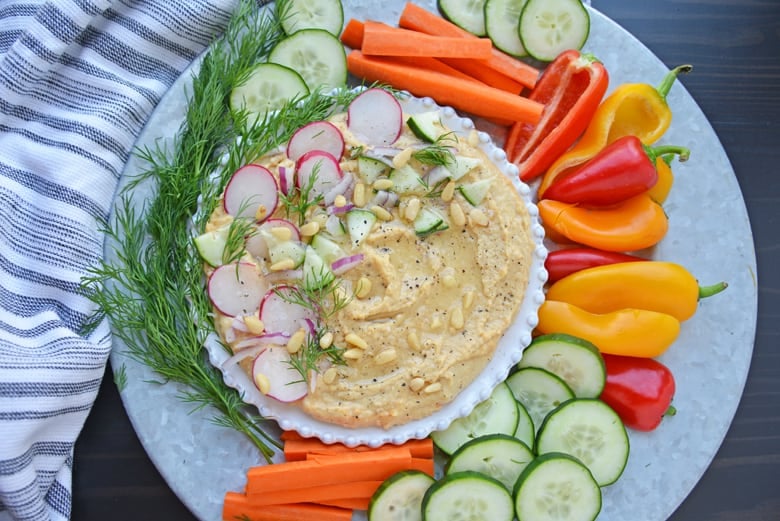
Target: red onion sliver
x=345, y=264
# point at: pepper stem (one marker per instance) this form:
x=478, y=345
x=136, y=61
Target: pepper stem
x=714, y=289
x=666, y=85
x=664, y=150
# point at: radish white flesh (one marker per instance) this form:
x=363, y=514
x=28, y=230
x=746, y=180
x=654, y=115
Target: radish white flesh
x=257, y=243
x=286, y=384
x=375, y=117
x=318, y=135
x=286, y=180
x=250, y=188
x=325, y=169
x=236, y=289
x=280, y=315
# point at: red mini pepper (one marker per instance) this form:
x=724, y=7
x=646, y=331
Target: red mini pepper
x=623, y=169
x=560, y=263
x=640, y=390
x=571, y=89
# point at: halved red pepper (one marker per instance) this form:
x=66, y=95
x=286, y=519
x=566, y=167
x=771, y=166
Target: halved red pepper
x=571, y=89
x=623, y=169
x=640, y=390
x=560, y=263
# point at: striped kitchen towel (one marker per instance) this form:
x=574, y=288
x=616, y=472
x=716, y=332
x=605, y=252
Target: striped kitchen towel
x=78, y=80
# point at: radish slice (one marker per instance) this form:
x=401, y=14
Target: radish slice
x=251, y=193
x=345, y=264
x=257, y=245
x=286, y=384
x=286, y=180
x=279, y=315
x=324, y=167
x=236, y=289
x=318, y=135
x=375, y=117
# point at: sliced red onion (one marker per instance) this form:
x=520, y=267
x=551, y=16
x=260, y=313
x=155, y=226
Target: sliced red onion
x=334, y=226
x=243, y=354
x=436, y=175
x=338, y=189
x=392, y=200
x=344, y=264
x=264, y=340
x=340, y=210
x=380, y=198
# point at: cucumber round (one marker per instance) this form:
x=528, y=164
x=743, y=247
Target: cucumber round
x=467, y=495
x=497, y=455
x=557, y=486
x=502, y=20
x=592, y=432
x=549, y=27
x=399, y=497
x=316, y=55
x=466, y=14
x=268, y=87
x=496, y=415
x=296, y=15
x=525, y=430
x=574, y=360
x=539, y=391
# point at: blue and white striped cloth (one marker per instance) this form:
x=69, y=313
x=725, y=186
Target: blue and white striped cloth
x=78, y=80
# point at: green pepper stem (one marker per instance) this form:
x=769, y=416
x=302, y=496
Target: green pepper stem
x=671, y=411
x=666, y=85
x=664, y=150
x=714, y=289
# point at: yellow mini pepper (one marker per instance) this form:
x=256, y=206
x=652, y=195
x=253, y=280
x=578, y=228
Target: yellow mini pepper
x=664, y=287
x=633, y=109
x=660, y=190
x=627, y=332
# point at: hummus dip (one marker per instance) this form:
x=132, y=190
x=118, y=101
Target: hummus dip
x=428, y=301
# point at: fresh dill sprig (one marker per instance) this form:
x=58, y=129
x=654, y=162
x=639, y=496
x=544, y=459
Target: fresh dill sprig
x=439, y=152
x=238, y=232
x=300, y=200
x=120, y=377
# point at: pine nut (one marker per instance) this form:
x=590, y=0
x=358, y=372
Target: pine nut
x=381, y=213
x=382, y=184
x=359, y=195
x=449, y=281
x=417, y=383
x=261, y=212
x=353, y=354
x=385, y=357
x=296, y=341
x=281, y=233
x=282, y=265
x=326, y=340
x=254, y=324
x=413, y=340
x=478, y=217
x=356, y=341
x=433, y=388
x=263, y=383
x=402, y=157
x=363, y=287
x=456, y=319
x=412, y=209
x=329, y=376
x=468, y=299
x=457, y=215
x=340, y=201
x=449, y=192
x=310, y=229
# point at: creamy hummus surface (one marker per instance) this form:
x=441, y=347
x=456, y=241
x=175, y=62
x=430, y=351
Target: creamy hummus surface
x=425, y=311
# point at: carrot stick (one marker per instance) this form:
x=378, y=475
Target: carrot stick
x=423, y=464
x=383, y=40
x=352, y=35
x=353, y=503
x=437, y=65
x=297, y=450
x=351, y=489
x=418, y=19
x=479, y=72
x=488, y=102
x=239, y=507
x=324, y=470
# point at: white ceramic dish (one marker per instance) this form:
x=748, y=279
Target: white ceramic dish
x=709, y=233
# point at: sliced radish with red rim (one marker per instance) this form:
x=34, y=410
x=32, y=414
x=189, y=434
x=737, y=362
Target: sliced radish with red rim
x=250, y=188
x=257, y=243
x=281, y=313
x=236, y=289
x=323, y=168
x=286, y=383
x=286, y=180
x=375, y=117
x=317, y=135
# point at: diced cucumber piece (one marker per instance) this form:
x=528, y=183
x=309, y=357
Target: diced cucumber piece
x=525, y=431
x=317, y=55
x=549, y=27
x=426, y=125
x=311, y=14
x=467, y=495
x=267, y=88
x=293, y=250
x=371, y=168
x=211, y=245
x=499, y=456
x=359, y=225
x=539, y=391
x=316, y=271
x=407, y=180
x=475, y=192
x=429, y=221
x=466, y=14
x=462, y=166
x=327, y=248
x=592, y=432
x=496, y=415
x=502, y=18
x=557, y=486
x=400, y=497
x=574, y=360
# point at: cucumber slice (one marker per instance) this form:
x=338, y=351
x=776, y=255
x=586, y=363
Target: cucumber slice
x=462, y=166
x=429, y=221
x=400, y=497
x=496, y=455
x=496, y=415
x=371, y=168
x=293, y=250
x=525, y=430
x=296, y=15
x=502, y=19
x=592, y=432
x=327, y=248
x=406, y=180
x=467, y=495
x=539, y=391
x=316, y=271
x=359, y=225
x=574, y=360
x=316, y=55
x=466, y=14
x=267, y=88
x=549, y=27
x=426, y=125
x=557, y=486
x=211, y=245
x=475, y=192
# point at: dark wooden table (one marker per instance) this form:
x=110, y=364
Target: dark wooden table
x=735, y=47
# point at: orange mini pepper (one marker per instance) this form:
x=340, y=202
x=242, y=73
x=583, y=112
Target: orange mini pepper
x=634, y=224
x=628, y=332
x=633, y=109
x=660, y=190
x=661, y=286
